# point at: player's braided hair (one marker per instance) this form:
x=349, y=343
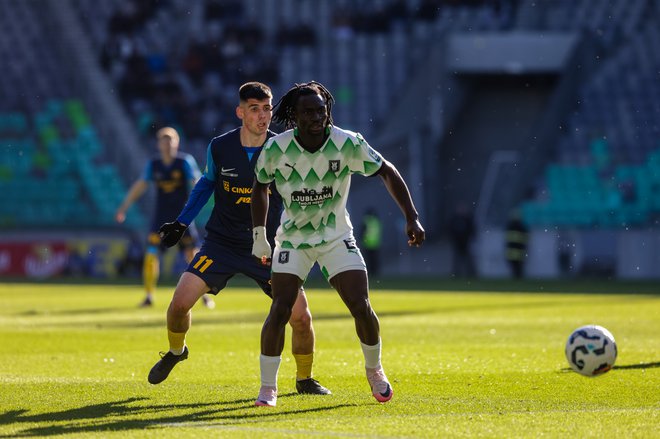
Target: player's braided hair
x=284, y=113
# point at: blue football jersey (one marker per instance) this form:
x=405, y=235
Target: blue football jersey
x=231, y=167
x=173, y=184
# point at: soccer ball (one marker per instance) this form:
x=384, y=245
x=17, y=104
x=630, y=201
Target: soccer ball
x=591, y=350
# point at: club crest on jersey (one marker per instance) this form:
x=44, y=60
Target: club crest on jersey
x=334, y=165
x=351, y=246
x=283, y=257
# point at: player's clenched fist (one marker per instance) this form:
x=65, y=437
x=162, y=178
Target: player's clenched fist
x=171, y=233
x=260, y=246
x=416, y=233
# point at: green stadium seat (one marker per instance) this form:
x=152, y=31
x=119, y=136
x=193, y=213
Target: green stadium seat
x=77, y=114
x=85, y=193
x=48, y=133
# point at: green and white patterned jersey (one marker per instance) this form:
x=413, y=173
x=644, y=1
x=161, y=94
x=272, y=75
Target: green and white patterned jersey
x=314, y=186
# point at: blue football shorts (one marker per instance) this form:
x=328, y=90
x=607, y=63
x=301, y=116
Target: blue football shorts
x=216, y=264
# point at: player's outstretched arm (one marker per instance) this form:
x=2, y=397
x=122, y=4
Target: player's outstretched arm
x=199, y=196
x=398, y=189
x=136, y=191
x=259, y=209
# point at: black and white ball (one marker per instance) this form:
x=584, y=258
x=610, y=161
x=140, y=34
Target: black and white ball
x=591, y=350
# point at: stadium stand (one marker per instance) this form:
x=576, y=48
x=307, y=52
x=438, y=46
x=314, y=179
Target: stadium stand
x=53, y=171
x=366, y=58
x=606, y=172
x=53, y=180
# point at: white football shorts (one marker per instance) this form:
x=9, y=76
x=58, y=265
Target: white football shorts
x=333, y=257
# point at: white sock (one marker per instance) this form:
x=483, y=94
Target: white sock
x=269, y=368
x=178, y=351
x=371, y=355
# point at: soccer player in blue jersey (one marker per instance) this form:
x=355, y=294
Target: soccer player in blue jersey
x=174, y=174
x=311, y=164
x=226, y=250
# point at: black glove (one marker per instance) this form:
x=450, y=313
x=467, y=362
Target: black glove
x=170, y=233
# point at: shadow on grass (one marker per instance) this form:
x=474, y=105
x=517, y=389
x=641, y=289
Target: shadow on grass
x=258, y=317
x=120, y=416
x=652, y=365
x=69, y=312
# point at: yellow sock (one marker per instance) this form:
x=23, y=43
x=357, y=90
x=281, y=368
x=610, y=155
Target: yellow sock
x=304, y=365
x=150, y=272
x=177, y=341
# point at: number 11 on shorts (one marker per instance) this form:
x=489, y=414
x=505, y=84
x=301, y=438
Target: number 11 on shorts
x=206, y=264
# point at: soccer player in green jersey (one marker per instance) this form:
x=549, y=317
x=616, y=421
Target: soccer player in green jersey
x=311, y=164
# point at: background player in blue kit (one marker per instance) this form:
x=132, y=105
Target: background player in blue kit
x=173, y=173
x=227, y=247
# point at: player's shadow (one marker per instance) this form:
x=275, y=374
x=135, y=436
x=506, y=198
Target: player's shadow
x=66, y=312
x=258, y=317
x=121, y=416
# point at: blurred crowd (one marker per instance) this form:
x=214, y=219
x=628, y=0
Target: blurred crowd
x=192, y=87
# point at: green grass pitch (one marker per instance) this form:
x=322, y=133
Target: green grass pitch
x=483, y=361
